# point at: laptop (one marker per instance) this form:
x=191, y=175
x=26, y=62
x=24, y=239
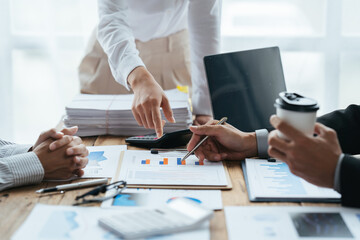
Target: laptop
x=244, y=85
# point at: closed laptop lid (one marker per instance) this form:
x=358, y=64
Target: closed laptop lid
x=244, y=85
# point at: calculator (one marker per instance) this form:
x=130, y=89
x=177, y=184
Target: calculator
x=180, y=214
x=168, y=140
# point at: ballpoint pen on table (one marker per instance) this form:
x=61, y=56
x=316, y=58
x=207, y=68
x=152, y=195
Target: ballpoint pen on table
x=157, y=150
x=203, y=140
x=73, y=185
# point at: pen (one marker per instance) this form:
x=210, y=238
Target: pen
x=157, y=150
x=204, y=139
x=73, y=185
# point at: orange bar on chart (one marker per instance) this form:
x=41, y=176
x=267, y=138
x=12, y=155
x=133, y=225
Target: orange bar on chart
x=201, y=162
x=147, y=161
x=166, y=161
x=183, y=162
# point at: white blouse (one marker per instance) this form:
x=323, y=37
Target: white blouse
x=123, y=21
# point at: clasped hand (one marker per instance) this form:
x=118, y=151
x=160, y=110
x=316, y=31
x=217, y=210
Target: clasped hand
x=61, y=154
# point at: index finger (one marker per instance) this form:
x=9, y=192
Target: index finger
x=60, y=143
x=158, y=123
x=289, y=131
x=167, y=109
x=193, y=141
x=70, y=131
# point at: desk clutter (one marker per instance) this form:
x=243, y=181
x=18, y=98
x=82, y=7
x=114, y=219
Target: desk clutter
x=111, y=114
x=183, y=213
x=149, y=178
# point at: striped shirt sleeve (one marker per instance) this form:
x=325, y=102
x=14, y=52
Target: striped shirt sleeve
x=18, y=166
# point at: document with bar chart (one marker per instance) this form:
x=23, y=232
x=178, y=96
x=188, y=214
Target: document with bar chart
x=273, y=181
x=144, y=168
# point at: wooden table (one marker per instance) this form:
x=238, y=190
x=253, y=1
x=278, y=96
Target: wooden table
x=16, y=204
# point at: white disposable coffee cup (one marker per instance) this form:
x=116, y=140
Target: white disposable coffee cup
x=298, y=111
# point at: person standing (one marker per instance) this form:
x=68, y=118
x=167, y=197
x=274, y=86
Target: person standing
x=151, y=46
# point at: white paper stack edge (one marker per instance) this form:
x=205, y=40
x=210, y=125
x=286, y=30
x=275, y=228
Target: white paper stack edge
x=111, y=114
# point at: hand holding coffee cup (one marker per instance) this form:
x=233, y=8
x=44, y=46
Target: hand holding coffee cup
x=298, y=111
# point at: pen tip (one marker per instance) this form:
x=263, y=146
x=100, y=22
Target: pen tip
x=39, y=191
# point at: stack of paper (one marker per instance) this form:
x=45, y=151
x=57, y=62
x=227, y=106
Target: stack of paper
x=111, y=114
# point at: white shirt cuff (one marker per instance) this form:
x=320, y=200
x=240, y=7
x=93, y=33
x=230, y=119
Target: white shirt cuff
x=337, y=185
x=262, y=142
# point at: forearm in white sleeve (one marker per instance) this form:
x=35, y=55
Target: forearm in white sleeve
x=204, y=18
x=117, y=40
x=9, y=148
x=20, y=169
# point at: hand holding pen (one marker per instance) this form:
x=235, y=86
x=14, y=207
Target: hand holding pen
x=224, y=142
x=193, y=149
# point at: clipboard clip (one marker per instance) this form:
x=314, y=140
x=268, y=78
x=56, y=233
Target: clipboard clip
x=271, y=160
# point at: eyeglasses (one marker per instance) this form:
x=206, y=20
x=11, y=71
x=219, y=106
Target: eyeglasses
x=114, y=189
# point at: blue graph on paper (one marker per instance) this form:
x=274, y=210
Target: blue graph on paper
x=59, y=225
x=283, y=180
x=96, y=157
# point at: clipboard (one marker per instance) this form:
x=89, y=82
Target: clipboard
x=199, y=187
x=253, y=198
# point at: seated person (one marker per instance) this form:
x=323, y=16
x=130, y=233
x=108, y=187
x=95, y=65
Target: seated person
x=322, y=159
x=55, y=155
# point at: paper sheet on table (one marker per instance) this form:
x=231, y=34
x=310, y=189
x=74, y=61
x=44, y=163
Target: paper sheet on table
x=273, y=180
x=103, y=161
x=210, y=199
x=144, y=168
x=275, y=223
x=66, y=222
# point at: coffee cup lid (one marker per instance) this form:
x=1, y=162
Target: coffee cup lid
x=296, y=102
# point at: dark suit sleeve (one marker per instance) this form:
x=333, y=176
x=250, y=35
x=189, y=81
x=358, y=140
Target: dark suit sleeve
x=350, y=181
x=346, y=123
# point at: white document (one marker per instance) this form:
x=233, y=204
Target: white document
x=273, y=180
x=310, y=223
x=210, y=199
x=66, y=222
x=103, y=161
x=144, y=168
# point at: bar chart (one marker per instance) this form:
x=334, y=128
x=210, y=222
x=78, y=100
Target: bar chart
x=145, y=168
x=166, y=161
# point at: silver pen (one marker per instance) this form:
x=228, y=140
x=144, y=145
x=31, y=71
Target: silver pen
x=203, y=140
x=157, y=150
x=73, y=185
